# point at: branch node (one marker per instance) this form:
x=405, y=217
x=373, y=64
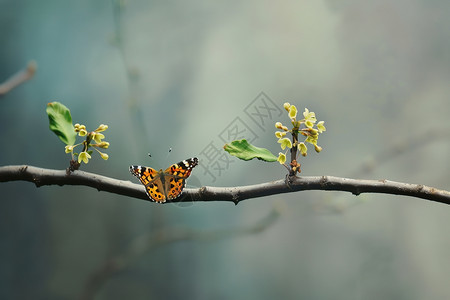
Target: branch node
x=235, y=198
x=201, y=192
x=23, y=169
x=323, y=181
x=419, y=188
x=356, y=192
x=36, y=181
x=289, y=180
x=73, y=166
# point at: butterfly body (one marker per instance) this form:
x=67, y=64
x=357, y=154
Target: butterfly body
x=161, y=186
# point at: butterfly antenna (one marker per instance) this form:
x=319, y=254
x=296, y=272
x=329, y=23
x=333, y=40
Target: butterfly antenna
x=149, y=155
x=168, y=154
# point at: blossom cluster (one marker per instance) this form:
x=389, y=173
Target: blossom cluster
x=93, y=139
x=306, y=127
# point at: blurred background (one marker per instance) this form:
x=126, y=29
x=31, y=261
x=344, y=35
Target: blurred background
x=191, y=76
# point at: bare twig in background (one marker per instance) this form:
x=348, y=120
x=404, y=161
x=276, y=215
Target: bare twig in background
x=40, y=176
x=18, y=78
x=147, y=242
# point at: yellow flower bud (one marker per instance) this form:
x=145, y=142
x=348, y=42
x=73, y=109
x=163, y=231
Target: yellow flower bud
x=281, y=158
x=82, y=132
x=285, y=142
x=311, y=139
x=292, y=112
x=303, y=149
x=321, y=127
x=103, y=145
x=69, y=148
x=101, y=128
x=98, y=137
x=280, y=134
x=309, y=124
x=84, y=156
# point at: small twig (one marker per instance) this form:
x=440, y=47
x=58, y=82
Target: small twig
x=18, y=78
x=148, y=242
x=40, y=176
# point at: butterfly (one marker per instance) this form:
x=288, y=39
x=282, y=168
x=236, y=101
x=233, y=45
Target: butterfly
x=165, y=185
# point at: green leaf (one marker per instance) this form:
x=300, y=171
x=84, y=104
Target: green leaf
x=245, y=151
x=61, y=122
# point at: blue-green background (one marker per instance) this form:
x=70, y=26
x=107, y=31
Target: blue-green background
x=377, y=72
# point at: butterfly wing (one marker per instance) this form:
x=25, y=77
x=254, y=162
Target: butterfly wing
x=175, y=177
x=151, y=179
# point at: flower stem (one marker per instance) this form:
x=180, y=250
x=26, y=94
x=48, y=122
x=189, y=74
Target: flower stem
x=294, y=151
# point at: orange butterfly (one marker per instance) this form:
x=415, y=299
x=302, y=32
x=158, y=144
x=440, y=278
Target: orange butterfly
x=165, y=185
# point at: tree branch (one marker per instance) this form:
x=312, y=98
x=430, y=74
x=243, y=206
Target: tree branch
x=40, y=177
x=18, y=78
